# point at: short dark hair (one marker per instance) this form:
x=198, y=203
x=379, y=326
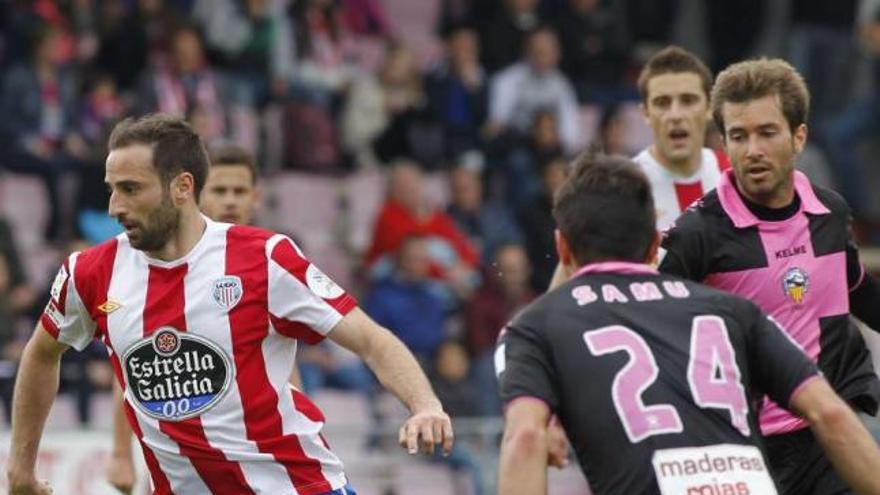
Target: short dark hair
x=176, y=147
x=674, y=60
x=605, y=210
x=753, y=79
x=233, y=155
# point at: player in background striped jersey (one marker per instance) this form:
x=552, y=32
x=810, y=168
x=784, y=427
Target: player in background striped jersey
x=201, y=319
x=674, y=86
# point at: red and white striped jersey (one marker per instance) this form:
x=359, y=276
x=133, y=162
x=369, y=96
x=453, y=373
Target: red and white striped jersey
x=674, y=193
x=203, y=347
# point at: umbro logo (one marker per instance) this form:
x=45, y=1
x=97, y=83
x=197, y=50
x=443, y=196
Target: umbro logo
x=109, y=306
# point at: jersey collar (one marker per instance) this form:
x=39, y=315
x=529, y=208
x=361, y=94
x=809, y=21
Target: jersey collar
x=742, y=217
x=621, y=267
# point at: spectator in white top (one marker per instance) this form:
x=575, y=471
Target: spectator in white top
x=534, y=84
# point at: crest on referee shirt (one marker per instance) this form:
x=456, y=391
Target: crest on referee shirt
x=796, y=284
x=227, y=291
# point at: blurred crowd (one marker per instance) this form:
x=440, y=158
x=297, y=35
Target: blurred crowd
x=490, y=97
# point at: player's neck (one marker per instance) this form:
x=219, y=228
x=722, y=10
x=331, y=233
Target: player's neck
x=683, y=168
x=192, y=227
x=777, y=200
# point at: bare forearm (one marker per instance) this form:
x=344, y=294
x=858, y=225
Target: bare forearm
x=523, y=466
x=120, y=467
x=35, y=390
x=397, y=369
x=295, y=378
x=851, y=449
x=399, y=372
x=121, y=429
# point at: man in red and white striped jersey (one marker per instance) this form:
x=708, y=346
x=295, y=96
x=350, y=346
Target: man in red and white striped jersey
x=231, y=195
x=675, y=86
x=201, y=319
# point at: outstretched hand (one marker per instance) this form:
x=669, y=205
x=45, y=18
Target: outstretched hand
x=121, y=474
x=30, y=487
x=425, y=430
x=557, y=445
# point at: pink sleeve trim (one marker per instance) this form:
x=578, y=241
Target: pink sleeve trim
x=861, y=278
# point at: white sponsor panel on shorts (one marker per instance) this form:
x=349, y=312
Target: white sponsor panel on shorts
x=713, y=470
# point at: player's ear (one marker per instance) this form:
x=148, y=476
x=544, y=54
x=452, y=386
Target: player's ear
x=258, y=195
x=183, y=187
x=800, y=138
x=562, y=249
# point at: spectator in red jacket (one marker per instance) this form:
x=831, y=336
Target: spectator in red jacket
x=406, y=213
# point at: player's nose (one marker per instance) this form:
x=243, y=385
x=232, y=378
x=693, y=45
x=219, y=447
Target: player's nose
x=676, y=110
x=115, y=207
x=753, y=147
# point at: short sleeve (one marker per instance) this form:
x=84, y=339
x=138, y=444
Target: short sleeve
x=524, y=366
x=685, y=246
x=304, y=302
x=65, y=317
x=779, y=366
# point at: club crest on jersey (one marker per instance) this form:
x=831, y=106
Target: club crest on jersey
x=227, y=291
x=174, y=375
x=795, y=284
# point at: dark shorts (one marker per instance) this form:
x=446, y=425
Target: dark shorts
x=800, y=466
